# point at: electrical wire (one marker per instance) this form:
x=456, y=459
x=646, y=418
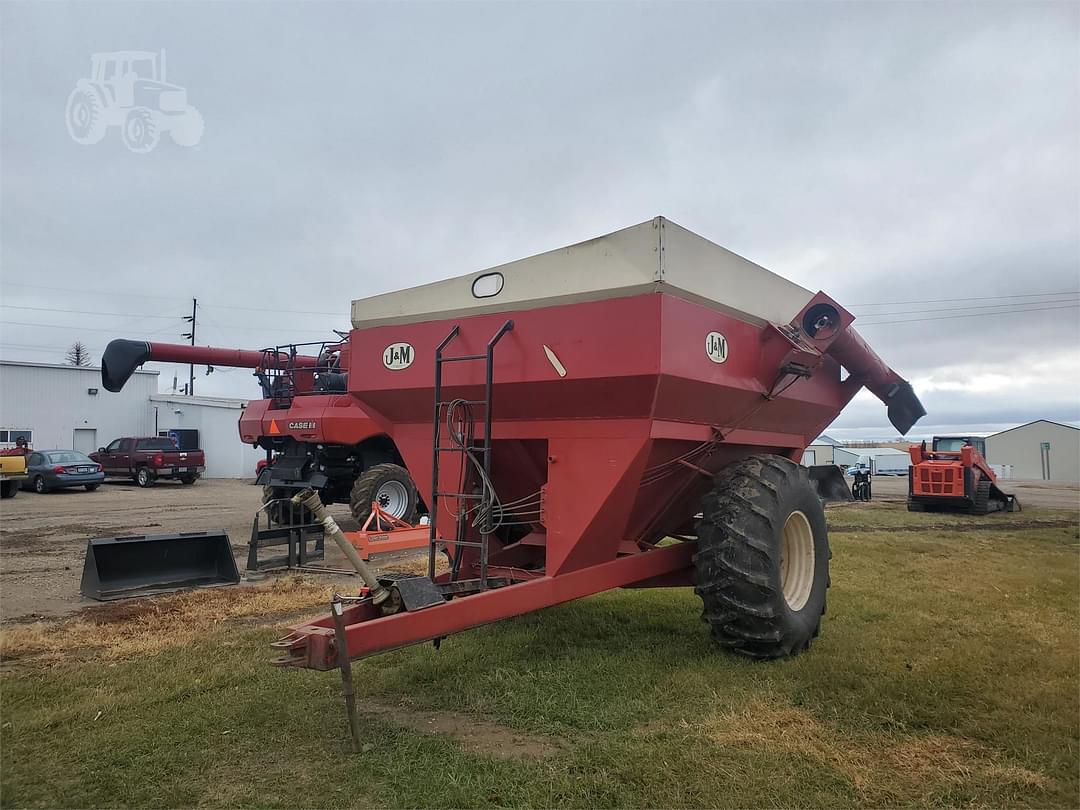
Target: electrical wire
x=970, y=298
x=861, y=324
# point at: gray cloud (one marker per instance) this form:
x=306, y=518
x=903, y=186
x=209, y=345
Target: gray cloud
x=882, y=152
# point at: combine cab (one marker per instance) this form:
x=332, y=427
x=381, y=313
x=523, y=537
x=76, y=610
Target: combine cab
x=955, y=477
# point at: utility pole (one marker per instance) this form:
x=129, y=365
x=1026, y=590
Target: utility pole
x=191, y=334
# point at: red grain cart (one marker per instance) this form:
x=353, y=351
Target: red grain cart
x=626, y=412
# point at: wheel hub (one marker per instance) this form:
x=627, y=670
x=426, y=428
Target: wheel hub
x=393, y=498
x=797, y=561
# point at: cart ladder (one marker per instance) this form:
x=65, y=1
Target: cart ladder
x=476, y=460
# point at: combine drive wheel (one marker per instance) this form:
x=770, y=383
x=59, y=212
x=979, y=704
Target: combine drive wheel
x=389, y=485
x=981, y=506
x=762, y=565
x=283, y=513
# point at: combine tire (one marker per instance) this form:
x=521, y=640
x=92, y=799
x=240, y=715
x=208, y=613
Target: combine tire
x=143, y=477
x=981, y=505
x=9, y=489
x=283, y=513
x=762, y=565
x=390, y=486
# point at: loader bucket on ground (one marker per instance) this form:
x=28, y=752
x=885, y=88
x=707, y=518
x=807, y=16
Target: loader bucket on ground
x=121, y=567
x=829, y=482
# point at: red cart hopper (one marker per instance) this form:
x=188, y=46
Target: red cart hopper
x=625, y=412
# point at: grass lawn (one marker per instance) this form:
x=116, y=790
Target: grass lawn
x=946, y=674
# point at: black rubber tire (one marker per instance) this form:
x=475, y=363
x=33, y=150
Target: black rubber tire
x=981, y=504
x=738, y=562
x=92, y=487
x=9, y=489
x=40, y=487
x=144, y=477
x=188, y=480
x=915, y=506
x=371, y=481
x=283, y=514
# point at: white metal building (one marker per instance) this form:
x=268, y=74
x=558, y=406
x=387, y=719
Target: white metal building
x=1038, y=451
x=827, y=450
x=215, y=418
x=64, y=406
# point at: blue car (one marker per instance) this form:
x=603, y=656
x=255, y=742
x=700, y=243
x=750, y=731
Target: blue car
x=58, y=469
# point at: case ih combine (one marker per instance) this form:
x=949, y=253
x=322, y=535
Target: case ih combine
x=625, y=412
x=318, y=434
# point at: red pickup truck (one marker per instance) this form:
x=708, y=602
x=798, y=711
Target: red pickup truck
x=148, y=459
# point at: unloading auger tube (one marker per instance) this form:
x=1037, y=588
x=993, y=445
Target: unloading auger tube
x=122, y=357
x=309, y=499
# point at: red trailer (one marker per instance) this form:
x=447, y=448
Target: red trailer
x=626, y=412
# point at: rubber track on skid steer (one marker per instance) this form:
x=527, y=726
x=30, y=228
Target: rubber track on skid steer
x=735, y=556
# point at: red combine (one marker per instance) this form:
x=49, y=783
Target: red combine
x=317, y=433
x=954, y=476
x=626, y=412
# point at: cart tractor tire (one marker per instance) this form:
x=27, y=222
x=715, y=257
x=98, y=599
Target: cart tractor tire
x=388, y=485
x=283, y=513
x=762, y=565
x=144, y=477
x=85, y=119
x=915, y=506
x=140, y=131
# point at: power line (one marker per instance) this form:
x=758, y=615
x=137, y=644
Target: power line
x=968, y=315
x=89, y=312
x=89, y=292
x=954, y=309
x=970, y=298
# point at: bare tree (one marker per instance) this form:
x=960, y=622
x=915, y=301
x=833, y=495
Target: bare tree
x=78, y=354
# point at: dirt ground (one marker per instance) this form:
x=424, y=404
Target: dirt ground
x=1051, y=495
x=43, y=537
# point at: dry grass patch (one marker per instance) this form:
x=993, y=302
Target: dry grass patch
x=143, y=626
x=874, y=763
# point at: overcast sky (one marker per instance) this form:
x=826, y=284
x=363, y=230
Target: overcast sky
x=920, y=162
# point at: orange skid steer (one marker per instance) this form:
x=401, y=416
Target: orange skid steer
x=954, y=476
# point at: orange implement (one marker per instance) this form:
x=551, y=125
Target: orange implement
x=387, y=534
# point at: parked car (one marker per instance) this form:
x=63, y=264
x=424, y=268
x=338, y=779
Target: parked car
x=148, y=458
x=47, y=470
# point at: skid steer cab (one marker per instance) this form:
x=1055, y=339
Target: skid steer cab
x=127, y=89
x=954, y=476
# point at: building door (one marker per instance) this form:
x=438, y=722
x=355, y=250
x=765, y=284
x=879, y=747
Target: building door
x=85, y=440
x=809, y=457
